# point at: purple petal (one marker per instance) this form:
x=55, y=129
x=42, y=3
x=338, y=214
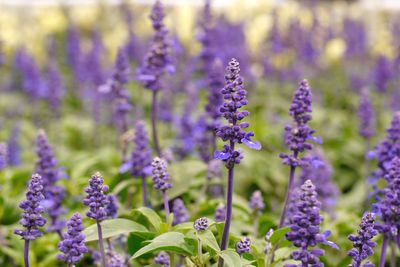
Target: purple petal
x=316, y=139
x=125, y=167
x=253, y=145
x=331, y=244
x=370, y=155
x=221, y=155
x=327, y=233
x=147, y=170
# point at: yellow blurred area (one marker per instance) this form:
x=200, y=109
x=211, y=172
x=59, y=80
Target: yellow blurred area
x=30, y=26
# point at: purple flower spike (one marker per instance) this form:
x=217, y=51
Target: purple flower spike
x=296, y=136
x=47, y=167
x=96, y=198
x=157, y=60
x=390, y=215
x=163, y=259
x=305, y=227
x=388, y=149
x=31, y=218
x=382, y=73
x=362, y=242
x=234, y=96
x=73, y=245
x=161, y=177
x=13, y=147
x=201, y=224
x=257, y=202
x=122, y=103
x=179, y=211
x=220, y=213
x=141, y=155
x=243, y=246
x=366, y=115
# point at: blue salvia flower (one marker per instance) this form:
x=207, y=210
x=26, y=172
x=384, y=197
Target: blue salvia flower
x=382, y=73
x=234, y=96
x=163, y=259
x=47, y=167
x=112, y=206
x=121, y=98
x=256, y=203
x=73, y=245
x=96, y=198
x=362, y=242
x=31, y=218
x=74, y=53
x=305, y=228
x=201, y=224
x=366, y=115
x=140, y=162
x=55, y=87
x=157, y=60
x=220, y=213
x=243, y=246
x=97, y=201
x=180, y=212
x=388, y=149
x=13, y=147
x=161, y=180
x=3, y=156
x=297, y=136
x=207, y=53
x=388, y=206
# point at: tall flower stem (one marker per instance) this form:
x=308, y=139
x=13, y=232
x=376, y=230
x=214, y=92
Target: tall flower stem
x=288, y=193
x=101, y=244
x=228, y=218
x=144, y=191
x=383, y=252
x=392, y=254
x=166, y=206
x=26, y=253
x=154, y=111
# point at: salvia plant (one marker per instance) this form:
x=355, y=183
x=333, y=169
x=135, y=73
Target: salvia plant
x=234, y=96
x=97, y=201
x=32, y=218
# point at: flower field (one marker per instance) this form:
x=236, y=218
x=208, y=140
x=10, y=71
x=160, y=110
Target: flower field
x=178, y=135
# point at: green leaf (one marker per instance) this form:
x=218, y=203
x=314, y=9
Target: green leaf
x=283, y=253
x=231, y=258
x=171, y=241
x=151, y=216
x=208, y=239
x=116, y=227
x=278, y=234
